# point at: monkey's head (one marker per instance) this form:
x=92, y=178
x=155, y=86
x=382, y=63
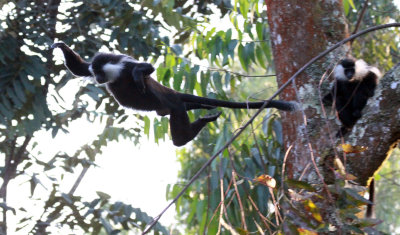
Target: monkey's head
x=106, y=68
x=345, y=70
x=351, y=69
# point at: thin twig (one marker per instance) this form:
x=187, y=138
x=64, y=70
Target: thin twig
x=221, y=182
x=284, y=166
x=263, y=218
x=229, y=228
x=226, y=71
x=208, y=199
x=220, y=204
x=240, y=201
x=258, y=149
x=78, y=180
x=324, y=110
x=239, y=132
x=360, y=17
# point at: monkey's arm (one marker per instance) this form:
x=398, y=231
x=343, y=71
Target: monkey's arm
x=140, y=73
x=369, y=83
x=328, y=99
x=73, y=61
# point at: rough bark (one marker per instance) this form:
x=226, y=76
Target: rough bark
x=378, y=129
x=299, y=31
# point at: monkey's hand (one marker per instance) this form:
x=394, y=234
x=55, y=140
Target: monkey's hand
x=140, y=73
x=58, y=45
x=140, y=84
x=211, y=117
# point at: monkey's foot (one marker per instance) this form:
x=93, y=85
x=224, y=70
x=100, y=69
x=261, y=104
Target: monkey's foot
x=205, y=106
x=211, y=117
x=343, y=132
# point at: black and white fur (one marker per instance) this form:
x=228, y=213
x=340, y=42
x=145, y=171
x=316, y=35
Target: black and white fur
x=355, y=84
x=130, y=83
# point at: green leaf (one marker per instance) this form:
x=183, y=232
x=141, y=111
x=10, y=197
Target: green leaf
x=242, y=58
x=204, y=81
x=164, y=125
x=17, y=102
x=106, y=225
x=178, y=78
x=6, y=112
x=300, y=185
x=260, y=58
x=90, y=153
x=199, y=209
x=197, y=88
x=347, y=4
x=103, y=196
x=351, y=4
x=244, y=7
x=360, y=199
x=177, y=49
x=146, y=126
x=228, y=36
x=277, y=127
x=267, y=51
x=249, y=48
x=227, y=79
x=192, y=211
x=166, y=77
x=259, y=30
x=27, y=84
x=34, y=181
x=217, y=82
x=231, y=48
x=19, y=91
x=6, y=208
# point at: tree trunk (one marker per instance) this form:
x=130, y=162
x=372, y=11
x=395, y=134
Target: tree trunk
x=300, y=30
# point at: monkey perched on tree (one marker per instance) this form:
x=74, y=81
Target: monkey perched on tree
x=130, y=83
x=355, y=84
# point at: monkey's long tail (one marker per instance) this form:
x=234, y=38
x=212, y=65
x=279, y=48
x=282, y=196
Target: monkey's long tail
x=281, y=105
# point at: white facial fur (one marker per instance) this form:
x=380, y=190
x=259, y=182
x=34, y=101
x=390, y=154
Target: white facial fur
x=338, y=73
x=361, y=69
x=91, y=70
x=112, y=71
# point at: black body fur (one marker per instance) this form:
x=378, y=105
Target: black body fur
x=134, y=88
x=351, y=91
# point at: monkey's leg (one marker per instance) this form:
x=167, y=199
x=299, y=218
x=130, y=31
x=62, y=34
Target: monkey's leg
x=182, y=130
x=190, y=106
x=348, y=121
x=328, y=99
x=140, y=72
x=359, y=101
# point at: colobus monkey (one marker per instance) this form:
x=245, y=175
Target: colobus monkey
x=355, y=84
x=130, y=83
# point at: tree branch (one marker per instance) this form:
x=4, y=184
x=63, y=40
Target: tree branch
x=378, y=129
